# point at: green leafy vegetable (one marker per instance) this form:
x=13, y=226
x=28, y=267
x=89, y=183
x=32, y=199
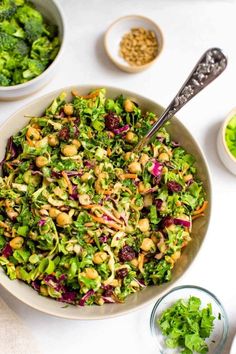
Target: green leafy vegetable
x=186, y=325
x=28, y=44
x=230, y=136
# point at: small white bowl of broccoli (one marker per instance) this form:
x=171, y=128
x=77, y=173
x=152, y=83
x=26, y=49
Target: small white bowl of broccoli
x=31, y=43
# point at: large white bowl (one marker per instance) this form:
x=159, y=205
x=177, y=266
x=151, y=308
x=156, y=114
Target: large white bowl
x=52, y=12
x=179, y=133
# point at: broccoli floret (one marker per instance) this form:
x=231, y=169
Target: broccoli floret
x=44, y=50
x=35, y=68
x=27, y=44
x=33, y=30
x=27, y=13
x=51, y=30
x=21, y=49
x=17, y=77
x=32, y=21
x=7, y=9
x=12, y=27
x=4, y=81
x=7, y=42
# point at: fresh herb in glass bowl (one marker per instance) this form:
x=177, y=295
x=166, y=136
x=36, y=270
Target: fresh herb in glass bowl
x=189, y=319
x=187, y=326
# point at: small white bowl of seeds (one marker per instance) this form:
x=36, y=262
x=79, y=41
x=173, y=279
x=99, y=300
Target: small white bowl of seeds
x=133, y=43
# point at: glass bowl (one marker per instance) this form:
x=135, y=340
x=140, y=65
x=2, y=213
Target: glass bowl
x=219, y=334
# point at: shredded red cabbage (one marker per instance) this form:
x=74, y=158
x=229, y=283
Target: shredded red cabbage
x=108, y=299
x=86, y=297
x=35, y=285
x=41, y=222
x=182, y=222
x=55, y=283
x=156, y=169
x=123, y=129
x=68, y=297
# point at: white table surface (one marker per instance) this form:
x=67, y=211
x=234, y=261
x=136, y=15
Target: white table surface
x=189, y=27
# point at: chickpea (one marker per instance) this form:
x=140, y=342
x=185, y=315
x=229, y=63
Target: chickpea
x=41, y=161
x=188, y=177
x=17, y=242
x=128, y=105
x=76, y=143
x=99, y=257
x=69, y=150
x=134, y=167
x=148, y=199
x=147, y=245
x=131, y=137
x=68, y=109
x=134, y=262
x=141, y=187
x=85, y=177
x=33, y=134
x=77, y=249
x=128, y=156
x=63, y=219
x=143, y=224
x=110, y=134
x=163, y=157
x=84, y=199
x=53, y=140
x=97, y=171
x=144, y=159
x=53, y=212
x=98, y=186
x=91, y=273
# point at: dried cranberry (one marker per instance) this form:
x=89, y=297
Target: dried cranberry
x=174, y=186
x=121, y=273
x=7, y=251
x=112, y=121
x=158, y=203
x=107, y=290
x=167, y=221
x=64, y=134
x=126, y=253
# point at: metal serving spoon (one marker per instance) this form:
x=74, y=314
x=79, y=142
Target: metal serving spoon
x=208, y=68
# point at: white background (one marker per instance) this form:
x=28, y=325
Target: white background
x=189, y=28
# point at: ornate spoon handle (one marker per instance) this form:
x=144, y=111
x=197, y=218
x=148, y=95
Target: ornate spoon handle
x=208, y=68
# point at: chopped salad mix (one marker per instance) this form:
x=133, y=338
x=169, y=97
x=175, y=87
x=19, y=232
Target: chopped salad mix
x=85, y=220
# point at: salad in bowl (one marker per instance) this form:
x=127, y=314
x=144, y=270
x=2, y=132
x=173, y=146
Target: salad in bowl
x=85, y=220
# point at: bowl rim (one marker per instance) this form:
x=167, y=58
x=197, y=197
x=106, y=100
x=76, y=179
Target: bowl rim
x=203, y=290
x=53, y=63
x=228, y=118
x=127, y=66
x=137, y=95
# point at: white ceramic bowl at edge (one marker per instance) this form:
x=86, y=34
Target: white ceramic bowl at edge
x=224, y=153
x=179, y=133
x=52, y=12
